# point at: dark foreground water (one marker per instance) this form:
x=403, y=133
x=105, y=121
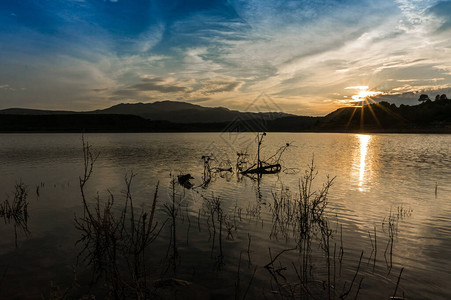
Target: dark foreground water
x=396, y=188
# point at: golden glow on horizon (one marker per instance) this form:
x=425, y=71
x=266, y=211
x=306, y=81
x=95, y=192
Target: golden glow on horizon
x=364, y=141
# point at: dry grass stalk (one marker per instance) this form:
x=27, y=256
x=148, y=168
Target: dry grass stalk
x=115, y=239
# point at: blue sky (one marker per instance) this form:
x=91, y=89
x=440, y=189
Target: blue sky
x=82, y=55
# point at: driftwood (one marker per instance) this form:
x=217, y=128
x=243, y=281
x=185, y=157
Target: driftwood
x=261, y=167
x=267, y=169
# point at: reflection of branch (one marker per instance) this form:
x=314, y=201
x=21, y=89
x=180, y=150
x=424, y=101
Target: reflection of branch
x=397, y=283
x=276, y=157
x=345, y=294
x=250, y=283
x=17, y=210
x=210, y=171
x=302, y=284
x=269, y=265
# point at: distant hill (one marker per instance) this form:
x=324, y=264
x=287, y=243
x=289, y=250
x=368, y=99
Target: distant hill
x=173, y=111
x=28, y=111
x=74, y=123
x=429, y=116
x=182, y=112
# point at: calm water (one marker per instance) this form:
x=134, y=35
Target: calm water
x=376, y=175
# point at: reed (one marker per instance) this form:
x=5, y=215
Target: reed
x=172, y=210
x=215, y=213
x=390, y=226
x=115, y=238
x=15, y=211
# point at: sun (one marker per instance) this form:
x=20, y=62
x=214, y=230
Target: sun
x=360, y=101
x=363, y=95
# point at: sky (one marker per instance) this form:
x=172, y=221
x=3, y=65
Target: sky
x=308, y=57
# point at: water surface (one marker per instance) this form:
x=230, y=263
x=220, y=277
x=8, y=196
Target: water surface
x=375, y=176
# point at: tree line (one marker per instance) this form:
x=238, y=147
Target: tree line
x=425, y=98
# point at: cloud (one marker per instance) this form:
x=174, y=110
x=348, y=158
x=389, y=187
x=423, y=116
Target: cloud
x=197, y=100
x=408, y=88
x=156, y=84
x=124, y=93
x=442, y=10
x=419, y=79
x=210, y=87
x=149, y=88
x=7, y=87
x=359, y=87
x=150, y=38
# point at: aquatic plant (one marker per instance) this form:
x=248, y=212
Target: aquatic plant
x=15, y=211
x=116, y=239
x=172, y=210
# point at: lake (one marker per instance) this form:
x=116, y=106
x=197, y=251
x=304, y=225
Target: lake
x=236, y=236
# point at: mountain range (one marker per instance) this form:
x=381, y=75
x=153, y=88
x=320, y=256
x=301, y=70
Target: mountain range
x=167, y=116
x=172, y=111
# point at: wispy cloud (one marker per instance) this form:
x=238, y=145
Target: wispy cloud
x=219, y=85
x=148, y=88
x=359, y=87
x=442, y=11
x=157, y=84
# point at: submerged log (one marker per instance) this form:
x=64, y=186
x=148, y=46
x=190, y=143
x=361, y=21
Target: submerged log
x=268, y=169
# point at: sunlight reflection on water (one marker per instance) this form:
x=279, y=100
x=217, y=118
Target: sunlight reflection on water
x=364, y=141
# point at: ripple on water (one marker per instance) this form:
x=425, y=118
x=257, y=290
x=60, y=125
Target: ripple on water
x=375, y=176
